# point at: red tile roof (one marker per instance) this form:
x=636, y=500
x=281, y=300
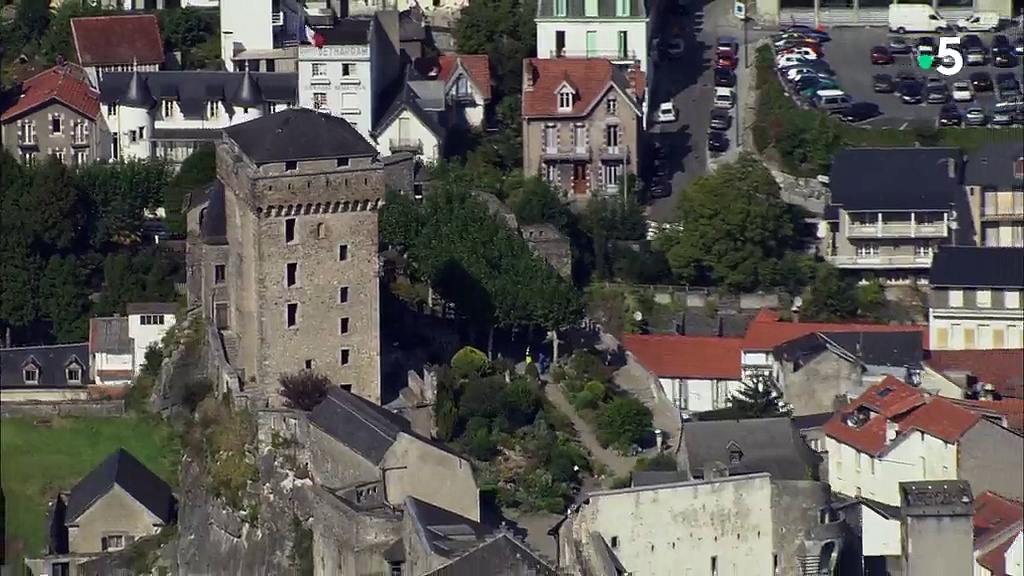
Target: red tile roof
x=1010, y=409
x=591, y=78
x=64, y=84
x=111, y=40
x=767, y=331
x=671, y=356
x=892, y=400
x=1003, y=369
x=994, y=514
x=995, y=559
x=477, y=66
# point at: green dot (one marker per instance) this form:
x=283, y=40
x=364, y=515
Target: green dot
x=925, y=61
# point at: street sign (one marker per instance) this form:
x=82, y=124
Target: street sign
x=740, y=10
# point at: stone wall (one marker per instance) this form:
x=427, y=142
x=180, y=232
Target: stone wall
x=399, y=172
x=63, y=408
x=808, y=531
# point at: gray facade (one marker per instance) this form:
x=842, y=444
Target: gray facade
x=80, y=139
x=967, y=299
x=938, y=533
x=992, y=459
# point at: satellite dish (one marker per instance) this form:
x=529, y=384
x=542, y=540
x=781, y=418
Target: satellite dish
x=638, y=316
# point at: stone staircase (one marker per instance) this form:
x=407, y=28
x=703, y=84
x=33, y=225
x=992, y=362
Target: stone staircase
x=230, y=341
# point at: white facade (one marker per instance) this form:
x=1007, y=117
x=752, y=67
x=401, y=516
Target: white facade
x=880, y=536
x=259, y=25
x=659, y=532
x=962, y=329
x=465, y=99
x=200, y=3
x=111, y=369
x=1015, y=556
x=146, y=330
x=339, y=80
x=621, y=40
x=408, y=133
x=913, y=456
x=700, y=394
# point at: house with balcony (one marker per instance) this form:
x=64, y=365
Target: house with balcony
x=616, y=30
x=139, y=45
x=892, y=208
x=467, y=87
x=261, y=35
x=895, y=432
x=582, y=123
x=975, y=299
x=994, y=178
x=55, y=113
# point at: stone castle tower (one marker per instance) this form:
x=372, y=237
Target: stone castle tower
x=296, y=283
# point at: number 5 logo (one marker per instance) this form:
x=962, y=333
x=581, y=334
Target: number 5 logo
x=946, y=52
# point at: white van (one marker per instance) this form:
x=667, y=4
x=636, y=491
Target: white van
x=979, y=22
x=905, y=18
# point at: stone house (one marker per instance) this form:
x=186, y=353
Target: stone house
x=118, y=502
x=582, y=123
x=994, y=178
x=975, y=300
x=770, y=445
x=282, y=252
x=56, y=113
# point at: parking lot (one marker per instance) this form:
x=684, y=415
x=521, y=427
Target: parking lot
x=848, y=54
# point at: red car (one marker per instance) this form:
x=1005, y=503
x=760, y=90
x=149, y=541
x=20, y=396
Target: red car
x=881, y=55
x=726, y=61
x=813, y=46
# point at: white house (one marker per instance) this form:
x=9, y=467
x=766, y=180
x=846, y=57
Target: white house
x=618, y=30
x=412, y=122
x=695, y=373
x=147, y=324
x=111, y=352
x=257, y=26
x=168, y=114
x=895, y=433
x=467, y=87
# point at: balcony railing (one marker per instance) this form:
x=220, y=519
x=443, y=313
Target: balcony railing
x=277, y=19
x=614, y=55
x=566, y=153
x=897, y=230
x=894, y=261
x=406, y=145
x=614, y=152
x=995, y=214
x=463, y=97
x=29, y=142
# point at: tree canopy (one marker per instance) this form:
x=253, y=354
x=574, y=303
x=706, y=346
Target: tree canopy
x=734, y=230
x=760, y=398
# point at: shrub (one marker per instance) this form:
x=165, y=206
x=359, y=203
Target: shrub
x=623, y=422
x=154, y=358
x=469, y=362
x=304, y=390
x=660, y=462
x=520, y=404
x=482, y=398
x=195, y=392
x=478, y=440
x=584, y=400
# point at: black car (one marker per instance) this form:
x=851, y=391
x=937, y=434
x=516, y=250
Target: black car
x=860, y=112
x=720, y=119
x=911, y=92
x=1007, y=86
x=1002, y=58
x=949, y=115
x=971, y=41
x=884, y=84
x=725, y=78
x=1000, y=41
x=717, y=142
x=937, y=93
x=981, y=82
x=926, y=44
x=662, y=188
x=806, y=82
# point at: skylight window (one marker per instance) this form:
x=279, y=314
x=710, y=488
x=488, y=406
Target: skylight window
x=884, y=392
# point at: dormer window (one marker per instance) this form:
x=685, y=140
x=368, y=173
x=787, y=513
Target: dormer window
x=168, y=108
x=73, y=373
x=735, y=454
x=30, y=372
x=565, y=98
x=212, y=110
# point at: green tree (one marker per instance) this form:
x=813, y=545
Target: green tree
x=19, y=273
x=759, y=398
x=400, y=221
x=734, y=229
x=830, y=297
x=118, y=195
x=56, y=207
x=504, y=30
x=660, y=462
x=623, y=422
x=33, y=18
x=469, y=362
x=63, y=300
x=57, y=40
x=186, y=28
x=536, y=203
x=197, y=171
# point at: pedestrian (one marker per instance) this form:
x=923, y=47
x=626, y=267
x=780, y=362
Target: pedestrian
x=529, y=358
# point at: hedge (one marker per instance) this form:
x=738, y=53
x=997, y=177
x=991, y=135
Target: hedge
x=805, y=139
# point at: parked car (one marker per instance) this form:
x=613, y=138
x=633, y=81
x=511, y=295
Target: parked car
x=976, y=56
x=822, y=85
x=790, y=60
x=725, y=78
x=925, y=45
x=832, y=101
x=717, y=142
x=981, y=82
x=880, y=55
x=1002, y=58
x=975, y=116
x=1007, y=86
x=812, y=83
x=1018, y=117
x=884, y=84
x=898, y=45
x=720, y=119
x=1018, y=46
x=726, y=61
x=1002, y=116
x=667, y=112
x=949, y=115
x=911, y=92
x=800, y=51
x=936, y=91
x=791, y=44
x=962, y=92
x=820, y=66
x=807, y=31
x=979, y=21
x=726, y=45
x=725, y=98
x=860, y=112
x=971, y=41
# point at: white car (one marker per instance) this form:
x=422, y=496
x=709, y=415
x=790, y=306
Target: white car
x=724, y=98
x=787, y=60
x=794, y=74
x=805, y=53
x=962, y=92
x=667, y=112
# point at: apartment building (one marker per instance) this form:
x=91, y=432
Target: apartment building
x=994, y=178
x=975, y=301
x=582, y=123
x=892, y=208
x=618, y=30
x=261, y=35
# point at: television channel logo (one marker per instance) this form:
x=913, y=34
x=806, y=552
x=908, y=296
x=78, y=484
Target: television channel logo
x=951, y=61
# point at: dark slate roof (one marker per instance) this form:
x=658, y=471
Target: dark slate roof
x=444, y=532
x=410, y=25
x=656, y=478
x=346, y=32
x=188, y=134
x=192, y=89
x=406, y=99
x=299, y=134
x=500, y=555
x=123, y=470
x=213, y=226
x=134, y=308
x=904, y=349
x=993, y=166
x=974, y=267
x=771, y=445
x=364, y=427
x=248, y=94
x=896, y=178
x=575, y=9
x=808, y=421
x=50, y=361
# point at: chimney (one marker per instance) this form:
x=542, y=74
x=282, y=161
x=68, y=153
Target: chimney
x=951, y=168
x=892, y=430
x=529, y=74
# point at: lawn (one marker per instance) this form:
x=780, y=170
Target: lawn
x=38, y=459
